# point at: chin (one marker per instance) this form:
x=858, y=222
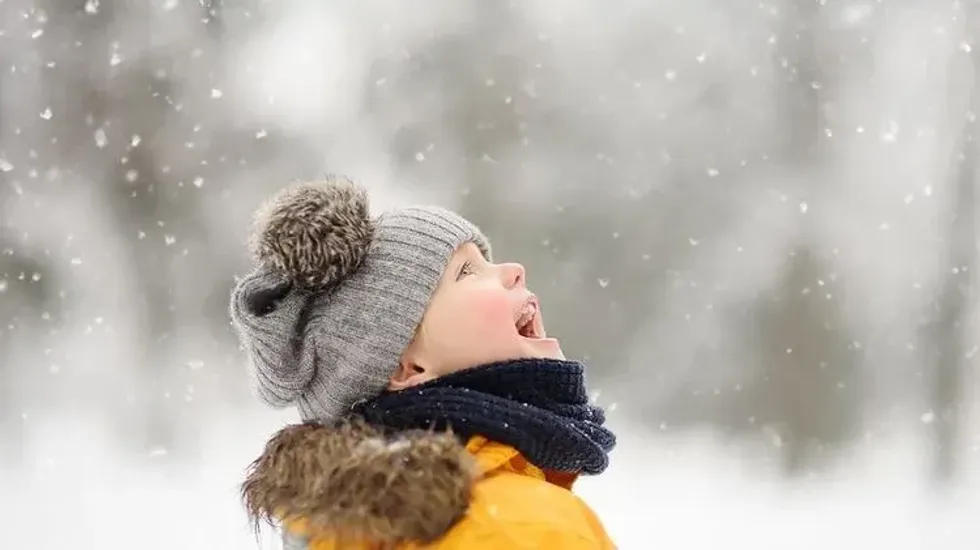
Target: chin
x=543, y=348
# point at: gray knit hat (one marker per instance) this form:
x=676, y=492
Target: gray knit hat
x=336, y=295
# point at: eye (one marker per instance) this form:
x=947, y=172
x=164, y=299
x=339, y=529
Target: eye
x=464, y=270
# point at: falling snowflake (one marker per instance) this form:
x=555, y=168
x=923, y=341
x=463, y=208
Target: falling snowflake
x=100, y=138
x=857, y=14
x=890, y=133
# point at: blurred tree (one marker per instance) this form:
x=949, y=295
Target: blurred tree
x=810, y=383
x=799, y=373
x=29, y=299
x=27, y=303
x=808, y=388
x=947, y=335
x=119, y=113
x=102, y=108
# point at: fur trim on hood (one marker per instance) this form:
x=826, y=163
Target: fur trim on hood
x=352, y=482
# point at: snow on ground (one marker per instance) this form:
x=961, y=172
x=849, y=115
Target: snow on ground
x=690, y=492
x=684, y=492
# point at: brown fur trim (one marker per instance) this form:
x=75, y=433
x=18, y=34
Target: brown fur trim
x=353, y=483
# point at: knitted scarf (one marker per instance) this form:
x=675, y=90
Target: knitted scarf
x=538, y=406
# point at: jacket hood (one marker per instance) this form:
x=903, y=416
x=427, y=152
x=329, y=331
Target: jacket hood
x=353, y=482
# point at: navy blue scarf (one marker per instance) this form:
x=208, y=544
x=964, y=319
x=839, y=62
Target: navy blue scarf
x=538, y=406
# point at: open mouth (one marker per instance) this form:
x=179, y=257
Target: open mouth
x=529, y=324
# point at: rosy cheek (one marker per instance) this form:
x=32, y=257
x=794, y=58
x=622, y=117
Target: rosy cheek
x=493, y=310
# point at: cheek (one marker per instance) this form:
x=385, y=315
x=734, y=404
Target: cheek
x=472, y=328
x=491, y=314
x=477, y=320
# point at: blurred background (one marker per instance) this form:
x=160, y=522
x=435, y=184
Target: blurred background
x=754, y=220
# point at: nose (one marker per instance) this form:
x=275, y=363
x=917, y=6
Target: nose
x=512, y=275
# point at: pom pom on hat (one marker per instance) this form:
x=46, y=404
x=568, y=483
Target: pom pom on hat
x=314, y=234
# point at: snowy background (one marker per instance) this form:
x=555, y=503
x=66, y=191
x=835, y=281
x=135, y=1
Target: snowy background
x=754, y=220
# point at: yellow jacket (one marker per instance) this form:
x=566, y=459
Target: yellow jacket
x=351, y=487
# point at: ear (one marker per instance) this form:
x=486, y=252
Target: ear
x=409, y=373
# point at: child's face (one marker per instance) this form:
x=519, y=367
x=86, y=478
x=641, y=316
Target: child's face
x=480, y=313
